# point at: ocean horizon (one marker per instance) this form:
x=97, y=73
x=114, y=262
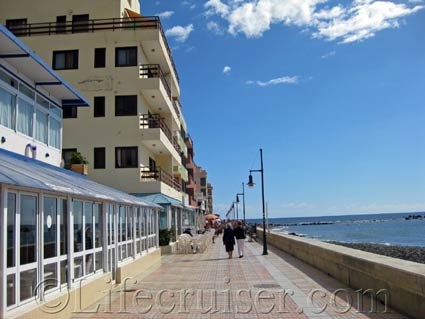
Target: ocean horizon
x=404, y=229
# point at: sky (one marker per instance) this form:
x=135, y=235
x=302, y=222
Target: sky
x=333, y=92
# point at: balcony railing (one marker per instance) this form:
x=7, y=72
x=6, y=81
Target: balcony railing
x=149, y=121
x=148, y=71
x=149, y=175
x=52, y=28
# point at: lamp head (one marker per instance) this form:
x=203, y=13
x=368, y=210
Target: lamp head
x=237, y=198
x=250, y=181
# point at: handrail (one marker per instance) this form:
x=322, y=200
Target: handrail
x=149, y=121
x=148, y=71
x=160, y=175
x=94, y=25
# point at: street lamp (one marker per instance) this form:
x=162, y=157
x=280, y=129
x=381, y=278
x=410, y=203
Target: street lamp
x=243, y=202
x=251, y=184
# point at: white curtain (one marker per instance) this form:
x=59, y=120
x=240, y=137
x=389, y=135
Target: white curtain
x=7, y=109
x=55, y=133
x=25, y=117
x=41, y=126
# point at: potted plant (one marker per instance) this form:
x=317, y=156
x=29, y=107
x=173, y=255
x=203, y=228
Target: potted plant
x=79, y=163
x=164, y=237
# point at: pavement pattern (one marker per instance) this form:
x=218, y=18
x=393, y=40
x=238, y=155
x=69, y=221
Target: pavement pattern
x=209, y=285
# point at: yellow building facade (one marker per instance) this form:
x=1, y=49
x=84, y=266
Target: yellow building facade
x=133, y=136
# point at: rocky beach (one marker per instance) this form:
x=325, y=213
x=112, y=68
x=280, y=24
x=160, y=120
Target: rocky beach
x=411, y=253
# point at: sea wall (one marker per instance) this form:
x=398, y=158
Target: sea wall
x=404, y=281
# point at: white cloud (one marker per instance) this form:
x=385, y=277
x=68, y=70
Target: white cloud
x=214, y=27
x=362, y=20
x=328, y=55
x=216, y=7
x=165, y=14
x=227, y=69
x=180, y=33
x=281, y=80
x=353, y=22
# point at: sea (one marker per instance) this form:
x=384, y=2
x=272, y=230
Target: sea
x=388, y=229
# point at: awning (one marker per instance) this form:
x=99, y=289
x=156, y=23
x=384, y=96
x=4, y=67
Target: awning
x=17, y=54
x=18, y=170
x=133, y=14
x=160, y=199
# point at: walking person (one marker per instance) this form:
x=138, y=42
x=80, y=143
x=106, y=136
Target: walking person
x=240, y=238
x=229, y=239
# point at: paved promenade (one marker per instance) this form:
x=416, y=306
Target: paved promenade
x=209, y=285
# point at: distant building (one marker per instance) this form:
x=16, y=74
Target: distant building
x=134, y=135
x=60, y=230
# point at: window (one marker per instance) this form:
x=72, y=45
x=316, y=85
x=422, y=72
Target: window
x=99, y=57
x=25, y=117
x=28, y=229
x=50, y=227
x=60, y=24
x=203, y=181
x=66, y=155
x=17, y=26
x=99, y=106
x=126, y=56
x=152, y=165
x=55, y=133
x=80, y=23
x=7, y=109
x=70, y=112
x=41, y=126
x=65, y=60
x=126, y=157
x=99, y=158
x=126, y=105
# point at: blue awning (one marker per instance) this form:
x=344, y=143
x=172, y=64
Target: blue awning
x=17, y=54
x=160, y=199
x=18, y=170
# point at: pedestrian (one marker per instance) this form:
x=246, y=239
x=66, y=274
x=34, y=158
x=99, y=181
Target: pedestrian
x=240, y=238
x=229, y=239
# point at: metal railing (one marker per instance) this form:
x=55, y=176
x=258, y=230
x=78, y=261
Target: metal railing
x=149, y=121
x=94, y=25
x=148, y=175
x=148, y=71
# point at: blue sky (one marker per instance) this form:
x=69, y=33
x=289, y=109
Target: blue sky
x=332, y=91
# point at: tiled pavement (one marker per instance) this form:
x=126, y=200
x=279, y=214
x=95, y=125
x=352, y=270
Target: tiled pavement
x=209, y=285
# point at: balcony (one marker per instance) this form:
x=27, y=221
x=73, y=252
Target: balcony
x=181, y=171
x=157, y=136
x=153, y=41
x=155, y=88
x=154, y=176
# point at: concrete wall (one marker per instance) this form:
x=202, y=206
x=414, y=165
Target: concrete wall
x=404, y=280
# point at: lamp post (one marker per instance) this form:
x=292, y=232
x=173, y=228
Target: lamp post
x=243, y=200
x=251, y=184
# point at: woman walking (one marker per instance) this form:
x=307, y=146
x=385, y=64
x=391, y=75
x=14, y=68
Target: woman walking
x=229, y=239
x=240, y=238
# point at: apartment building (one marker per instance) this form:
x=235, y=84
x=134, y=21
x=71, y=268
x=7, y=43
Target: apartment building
x=61, y=233
x=133, y=136
x=199, y=191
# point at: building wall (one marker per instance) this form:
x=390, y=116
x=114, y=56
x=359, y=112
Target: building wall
x=98, y=9
x=87, y=132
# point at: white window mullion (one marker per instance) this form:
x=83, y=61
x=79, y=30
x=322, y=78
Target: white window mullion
x=70, y=241
x=3, y=252
x=18, y=248
x=40, y=244
x=104, y=234
x=134, y=218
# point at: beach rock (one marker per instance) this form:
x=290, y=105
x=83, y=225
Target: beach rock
x=411, y=253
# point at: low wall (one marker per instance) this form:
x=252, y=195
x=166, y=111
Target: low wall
x=75, y=302
x=138, y=266
x=404, y=280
